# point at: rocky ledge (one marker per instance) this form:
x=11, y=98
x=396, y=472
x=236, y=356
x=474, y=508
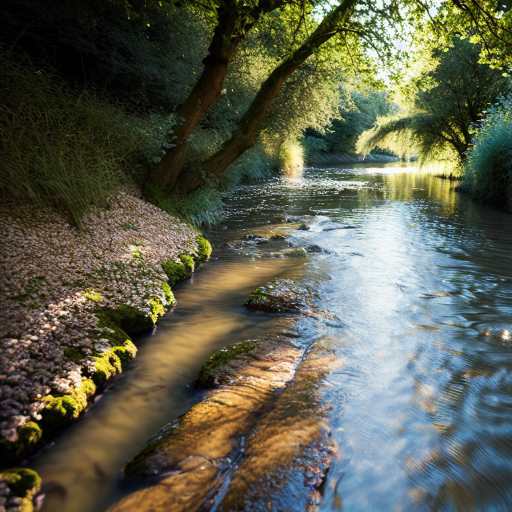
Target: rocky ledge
x=71, y=300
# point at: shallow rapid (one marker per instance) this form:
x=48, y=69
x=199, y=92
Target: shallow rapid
x=421, y=281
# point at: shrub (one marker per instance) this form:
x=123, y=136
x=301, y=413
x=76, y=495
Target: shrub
x=488, y=170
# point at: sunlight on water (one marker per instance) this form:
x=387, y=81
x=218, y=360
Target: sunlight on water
x=421, y=400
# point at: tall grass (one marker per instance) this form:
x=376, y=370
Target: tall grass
x=488, y=169
x=59, y=148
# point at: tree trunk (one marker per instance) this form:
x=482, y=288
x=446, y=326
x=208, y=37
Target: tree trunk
x=232, y=26
x=253, y=120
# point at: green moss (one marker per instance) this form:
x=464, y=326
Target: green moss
x=22, y=482
x=175, y=271
x=110, y=329
x=125, y=352
x=92, y=295
x=106, y=366
x=219, y=359
x=60, y=410
x=189, y=263
x=30, y=434
x=204, y=249
x=169, y=296
x=156, y=309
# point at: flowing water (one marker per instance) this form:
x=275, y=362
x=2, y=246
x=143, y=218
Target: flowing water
x=422, y=282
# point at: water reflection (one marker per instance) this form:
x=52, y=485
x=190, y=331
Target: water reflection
x=422, y=281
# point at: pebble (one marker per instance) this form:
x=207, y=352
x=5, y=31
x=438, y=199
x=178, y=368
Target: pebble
x=45, y=268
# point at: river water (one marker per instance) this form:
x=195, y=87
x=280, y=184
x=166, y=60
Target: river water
x=421, y=280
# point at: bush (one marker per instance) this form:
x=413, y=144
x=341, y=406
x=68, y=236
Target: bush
x=314, y=147
x=488, y=170
x=63, y=149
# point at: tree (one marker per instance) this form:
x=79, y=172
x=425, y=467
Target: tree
x=254, y=118
x=447, y=102
x=235, y=18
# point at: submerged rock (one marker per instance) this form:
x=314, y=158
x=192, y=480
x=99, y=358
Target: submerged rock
x=290, y=451
x=291, y=252
x=186, y=463
x=258, y=441
x=280, y=296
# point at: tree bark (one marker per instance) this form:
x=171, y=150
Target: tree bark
x=232, y=26
x=253, y=120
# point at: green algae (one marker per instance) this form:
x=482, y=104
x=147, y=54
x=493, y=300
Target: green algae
x=219, y=359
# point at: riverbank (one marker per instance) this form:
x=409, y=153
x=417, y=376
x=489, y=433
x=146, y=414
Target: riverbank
x=71, y=300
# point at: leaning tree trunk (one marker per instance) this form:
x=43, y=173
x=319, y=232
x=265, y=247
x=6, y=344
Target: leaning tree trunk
x=253, y=120
x=233, y=25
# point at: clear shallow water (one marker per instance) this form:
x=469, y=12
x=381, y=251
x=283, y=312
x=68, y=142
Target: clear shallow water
x=422, y=407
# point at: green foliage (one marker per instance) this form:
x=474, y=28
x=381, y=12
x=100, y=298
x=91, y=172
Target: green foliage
x=488, y=169
x=203, y=206
x=58, y=148
x=448, y=98
x=358, y=112
x=145, y=53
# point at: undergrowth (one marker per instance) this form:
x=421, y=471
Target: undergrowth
x=488, y=169
x=61, y=148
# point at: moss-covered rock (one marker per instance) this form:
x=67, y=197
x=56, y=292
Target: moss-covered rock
x=127, y=318
x=280, y=296
x=106, y=366
x=60, y=410
x=204, y=249
x=175, y=271
x=22, y=484
x=209, y=373
x=188, y=263
x=29, y=436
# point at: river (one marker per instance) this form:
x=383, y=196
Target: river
x=421, y=279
